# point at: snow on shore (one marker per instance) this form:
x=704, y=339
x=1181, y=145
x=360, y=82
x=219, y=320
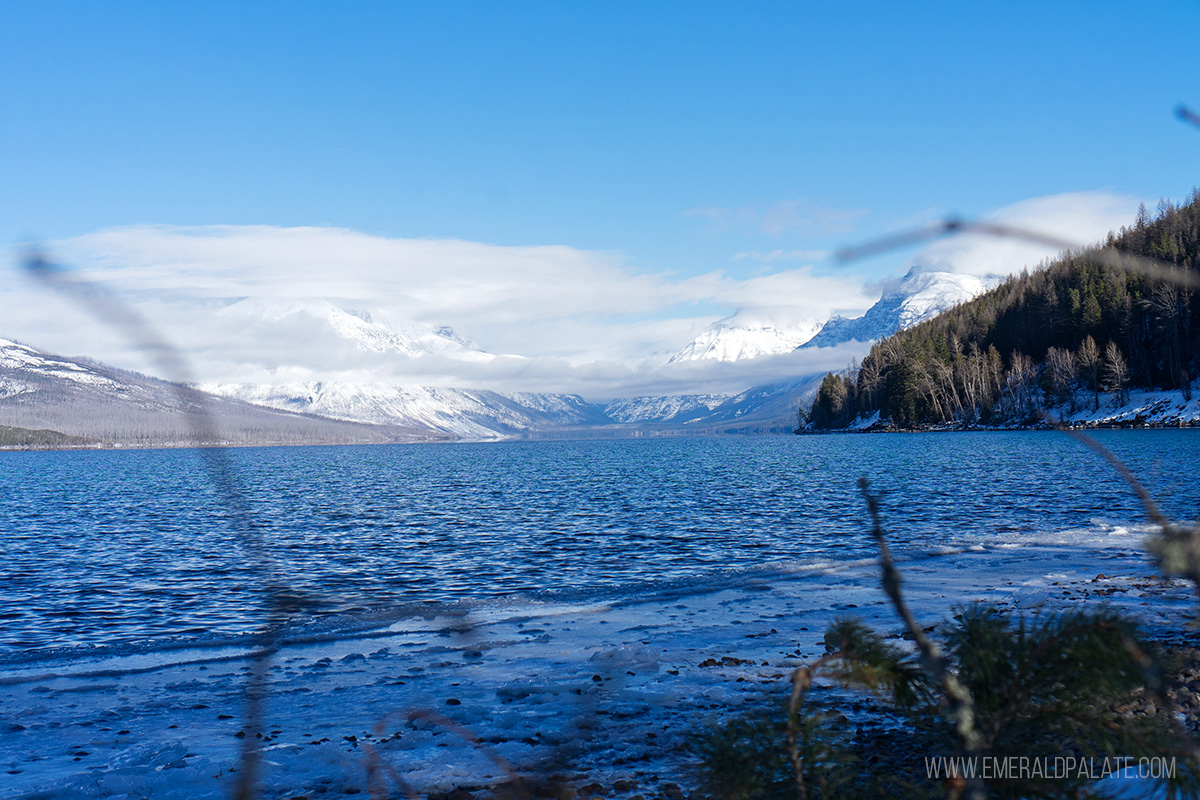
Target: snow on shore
x=601, y=689
x=1140, y=409
x=1143, y=407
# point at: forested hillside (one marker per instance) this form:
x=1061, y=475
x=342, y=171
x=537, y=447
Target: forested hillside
x=1053, y=337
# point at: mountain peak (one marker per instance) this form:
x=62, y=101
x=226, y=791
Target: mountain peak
x=918, y=296
x=750, y=333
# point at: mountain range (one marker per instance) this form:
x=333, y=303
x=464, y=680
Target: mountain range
x=466, y=413
x=78, y=397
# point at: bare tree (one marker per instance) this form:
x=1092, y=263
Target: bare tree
x=1089, y=364
x=1116, y=373
x=1019, y=386
x=1060, y=372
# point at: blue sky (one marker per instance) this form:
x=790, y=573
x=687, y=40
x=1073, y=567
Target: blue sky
x=674, y=138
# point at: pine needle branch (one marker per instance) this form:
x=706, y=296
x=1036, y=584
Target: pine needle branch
x=961, y=705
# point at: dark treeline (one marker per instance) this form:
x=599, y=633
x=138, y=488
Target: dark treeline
x=1054, y=337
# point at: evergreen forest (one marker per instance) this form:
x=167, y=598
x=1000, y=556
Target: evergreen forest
x=1054, y=337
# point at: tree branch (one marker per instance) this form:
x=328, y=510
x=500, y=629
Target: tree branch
x=961, y=706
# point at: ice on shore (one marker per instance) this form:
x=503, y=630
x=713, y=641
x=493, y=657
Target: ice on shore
x=600, y=691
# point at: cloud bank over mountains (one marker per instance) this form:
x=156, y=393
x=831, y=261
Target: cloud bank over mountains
x=1080, y=217
x=253, y=304
x=241, y=301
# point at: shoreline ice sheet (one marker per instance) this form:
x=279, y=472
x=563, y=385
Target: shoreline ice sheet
x=600, y=689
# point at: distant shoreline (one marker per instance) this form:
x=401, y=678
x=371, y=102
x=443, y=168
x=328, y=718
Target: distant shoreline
x=1142, y=408
x=1040, y=426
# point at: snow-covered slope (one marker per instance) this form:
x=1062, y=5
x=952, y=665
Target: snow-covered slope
x=747, y=335
x=476, y=414
x=770, y=407
x=918, y=297
x=25, y=371
x=86, y=399
x=663, y=408
x=82, y=398
x=329, y=328
x=1158, y=407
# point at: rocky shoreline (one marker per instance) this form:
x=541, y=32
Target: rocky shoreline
x=603, y=699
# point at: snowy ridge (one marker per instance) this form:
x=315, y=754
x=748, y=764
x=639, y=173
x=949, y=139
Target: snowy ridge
x=30, y=364
x=468, y=413
x=474, y=414
x=918, y=297
x=745, y=335
x=766, y=408
x=772, y=404
x=665, y=408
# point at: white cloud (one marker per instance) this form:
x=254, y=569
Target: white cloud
x=576, y=318
x=1082, y=218
x=602, y=381
x=558, y=318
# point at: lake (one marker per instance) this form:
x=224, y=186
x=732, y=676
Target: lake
x=136, y=550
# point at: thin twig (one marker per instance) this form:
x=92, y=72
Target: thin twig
x=462, y=732
x=380, y=768
x=801, y=681
x=1152, y=509
x=1184, y=538
x=256, y=700
x=952, y=226
x=1185, y=114
x=1178, y=547
x=1158, y=688
x=961, y=706
x=172, y=366
x=375, y=760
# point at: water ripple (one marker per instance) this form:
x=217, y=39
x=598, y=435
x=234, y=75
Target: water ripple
x=105, y=548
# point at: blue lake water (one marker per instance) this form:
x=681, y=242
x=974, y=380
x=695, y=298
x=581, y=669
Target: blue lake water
x=136, y=548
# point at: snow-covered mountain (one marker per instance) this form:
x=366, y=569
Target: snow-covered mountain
x=663, y=408
x=747, y=334
x=100, y=404
x=470, y=413
x=328, y=327
x=42, y=391
x=767, y=408
x=327, y=324
x=96, y=403
x=919, y=296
